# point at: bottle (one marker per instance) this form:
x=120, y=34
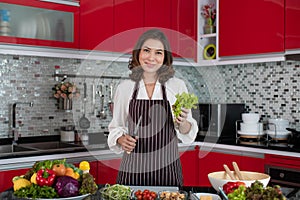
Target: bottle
x=56, y=72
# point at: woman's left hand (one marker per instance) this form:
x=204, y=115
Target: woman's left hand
x=181, y=120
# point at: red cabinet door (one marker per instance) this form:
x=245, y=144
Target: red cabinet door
x=108, y=171
x=292, y=31
x=47, y=25
x=251, y=27
x=212, y=162
x=183, y=24
x=96, y=25
x=157, y=14
x=283, y=161
x=128, y=24
x=252, y=164
x=189, y=163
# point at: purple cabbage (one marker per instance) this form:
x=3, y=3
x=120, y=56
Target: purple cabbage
x=67, y=186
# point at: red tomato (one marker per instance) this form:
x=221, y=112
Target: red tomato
x=146, y=196
x=146, y=191
x=138, y=192
x=139, y=197
x=153, y=194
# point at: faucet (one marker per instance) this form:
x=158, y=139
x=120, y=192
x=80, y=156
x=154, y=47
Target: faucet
x=14, y=131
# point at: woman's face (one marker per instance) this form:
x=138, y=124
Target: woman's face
x=151, y=56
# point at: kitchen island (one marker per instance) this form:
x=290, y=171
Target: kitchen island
x=195, y=158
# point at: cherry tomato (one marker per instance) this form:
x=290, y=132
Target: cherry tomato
x=139, y=197
x=153, y=194
x=138, y=192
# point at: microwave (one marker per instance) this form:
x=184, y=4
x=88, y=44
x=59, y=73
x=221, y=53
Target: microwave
x=218, y=120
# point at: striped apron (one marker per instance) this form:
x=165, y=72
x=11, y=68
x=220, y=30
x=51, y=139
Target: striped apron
x=155, y=159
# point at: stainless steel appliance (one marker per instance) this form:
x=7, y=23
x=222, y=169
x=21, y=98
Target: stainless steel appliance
x=218, y=120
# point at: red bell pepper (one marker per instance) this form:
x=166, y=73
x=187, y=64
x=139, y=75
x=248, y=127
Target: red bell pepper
x=229, y=187
x=45, y=177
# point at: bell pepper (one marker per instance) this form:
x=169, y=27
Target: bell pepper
x=229, y=187
x=45, y=177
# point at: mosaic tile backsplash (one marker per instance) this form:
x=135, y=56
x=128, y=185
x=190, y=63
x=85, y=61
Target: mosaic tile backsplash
x=271, y=89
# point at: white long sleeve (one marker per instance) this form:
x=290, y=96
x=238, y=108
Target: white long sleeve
x=118, y=125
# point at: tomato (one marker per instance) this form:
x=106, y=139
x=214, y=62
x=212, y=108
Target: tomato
x=138, y=192
x=59, y=169
x=153, y=194
x=139, y=197
x=146, y=191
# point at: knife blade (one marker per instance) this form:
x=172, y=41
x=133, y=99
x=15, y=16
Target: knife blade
x=136, y=130
x=137, y=127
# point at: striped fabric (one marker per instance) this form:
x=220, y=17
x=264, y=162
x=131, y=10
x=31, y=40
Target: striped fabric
x=155, y=159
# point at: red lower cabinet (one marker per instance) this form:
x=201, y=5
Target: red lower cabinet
x=7, y=176
x=108, y=171
x=282, y=161
x=190, y=167
x=212, y=162
x=252, y=164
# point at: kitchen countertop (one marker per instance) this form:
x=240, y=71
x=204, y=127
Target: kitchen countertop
x=8, y=195
x=100, y=151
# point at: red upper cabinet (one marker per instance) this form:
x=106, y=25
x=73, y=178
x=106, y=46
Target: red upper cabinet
x=292, y=30
x=251, y=27
x=39, y=23
x=128, y=24
x=96, y=25
x=157, y=14
x=184, y=26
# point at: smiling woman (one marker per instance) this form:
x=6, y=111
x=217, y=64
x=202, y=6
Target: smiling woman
x=153, y=157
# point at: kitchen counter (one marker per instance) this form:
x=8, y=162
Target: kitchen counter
x=8, y=195
x=100, y=151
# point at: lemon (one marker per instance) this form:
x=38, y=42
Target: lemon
x=20, y=183
x=33, y=178
x=84, y=165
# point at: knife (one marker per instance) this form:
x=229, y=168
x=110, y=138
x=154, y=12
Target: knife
x=136, y=130
x=137, y=127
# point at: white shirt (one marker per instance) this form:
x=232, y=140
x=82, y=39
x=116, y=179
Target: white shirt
x=118, y=126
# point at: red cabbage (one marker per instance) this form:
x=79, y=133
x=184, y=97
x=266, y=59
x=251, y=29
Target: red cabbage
x=67, y=186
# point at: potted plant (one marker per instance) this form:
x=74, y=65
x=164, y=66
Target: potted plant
x=64, y=92
x=209, y=13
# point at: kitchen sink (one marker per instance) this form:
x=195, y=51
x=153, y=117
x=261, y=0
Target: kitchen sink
x=54, y=145
x=9, y=148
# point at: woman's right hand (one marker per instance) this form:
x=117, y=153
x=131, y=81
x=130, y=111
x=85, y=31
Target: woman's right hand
x=127, y=142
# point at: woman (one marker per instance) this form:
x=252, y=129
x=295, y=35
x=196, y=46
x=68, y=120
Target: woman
x=143, y=105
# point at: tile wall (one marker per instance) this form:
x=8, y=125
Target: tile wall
x=271, y=89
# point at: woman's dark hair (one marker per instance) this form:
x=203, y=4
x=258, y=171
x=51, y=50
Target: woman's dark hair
x=166, y=71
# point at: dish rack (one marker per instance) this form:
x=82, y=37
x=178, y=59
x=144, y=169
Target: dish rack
x=259, y=136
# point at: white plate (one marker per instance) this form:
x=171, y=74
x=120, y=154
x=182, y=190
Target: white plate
x=68, y=198
x=281, y=133
x=214, y=196
x=254, y=134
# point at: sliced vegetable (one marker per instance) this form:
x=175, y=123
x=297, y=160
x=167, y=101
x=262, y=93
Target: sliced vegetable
x=117, y=191
x=45, y=177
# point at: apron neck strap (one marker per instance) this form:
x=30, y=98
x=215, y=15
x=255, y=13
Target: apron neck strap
x=136, y=89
